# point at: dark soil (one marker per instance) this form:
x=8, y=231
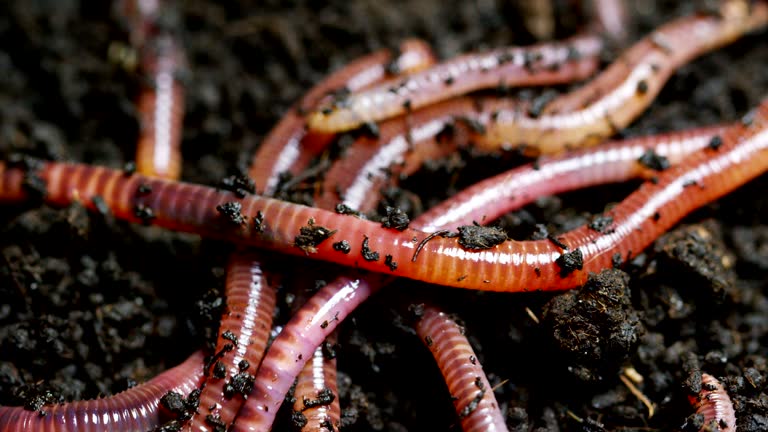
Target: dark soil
x=90, y=305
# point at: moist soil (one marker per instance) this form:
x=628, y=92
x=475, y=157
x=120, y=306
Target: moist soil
x=91, y=306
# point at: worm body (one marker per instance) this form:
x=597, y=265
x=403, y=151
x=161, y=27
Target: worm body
x=613, y=162
x=624, y=90
x=715, y=405
x=317, y=393
x=469, y=387
x=403, y=144
x=282, y=149
x=243, y=335
x=333, y=303
x=536, y=65
x=161, y=102
x=133, y=410
x=161, y=112
x=509, y=266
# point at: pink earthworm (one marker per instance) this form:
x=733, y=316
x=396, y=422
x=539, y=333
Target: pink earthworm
x=549, y=63
x=243, y=334
x=624, y=90
x=135, y=409
x=161, y=102
x=333, y=303
x=467, y=383
x=283, y=151
x=715, y=405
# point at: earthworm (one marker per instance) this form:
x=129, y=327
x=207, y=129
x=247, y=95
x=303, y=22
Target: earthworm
x=135, y=409
x=161, y=111
x=715, y=405
x=613, y=162
x=317, y=392
x=333, y=303
x=243, y=334
x=282, y=149
x=161, y=102
x=549, y=63
x=508, y=266
x=403, y=144
x=467, y=383
x=624, y=90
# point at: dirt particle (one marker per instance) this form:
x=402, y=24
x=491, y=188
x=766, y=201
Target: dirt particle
x=144, y=213
x=232, y=212
x=241, y=185
x=241, y=383
x=342, y=246
x=324, y=397
x=258, y=222
x=367, y=253
x=716, y=142
x=652, y=160
x=344, y=209
x=601, y=224
x=219, y=370
x=390, y=262
x=570, y=261
x=395, y=219
x=596, y=327
x=311, y=235
x=476, y=237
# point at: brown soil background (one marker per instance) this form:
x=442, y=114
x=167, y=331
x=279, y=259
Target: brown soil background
x=89, y=305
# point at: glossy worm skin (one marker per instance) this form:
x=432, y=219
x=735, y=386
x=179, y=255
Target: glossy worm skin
x=613, y=162
x=403, y=144
x=510, y=266
x=283, y=150
x=161, y=103
x=333, y=303
x=624, y=90
x=317, y=379
x=248, y=318
x=551, y=63
x=469, y=387
x=161, y=112
x=715, y=405
x=136, y=409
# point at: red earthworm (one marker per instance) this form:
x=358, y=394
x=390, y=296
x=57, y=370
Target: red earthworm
x=715, y=405
x=403, y=144
x=613, y=162
x=161, y=103
x=509, y=266
x=469, y=387
x=619, y=94
x=282, y=149
x=161, y=111
x=136, y=409
x=542, y=64
x=331, y=305
x=317, y=392
x=243, y=335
